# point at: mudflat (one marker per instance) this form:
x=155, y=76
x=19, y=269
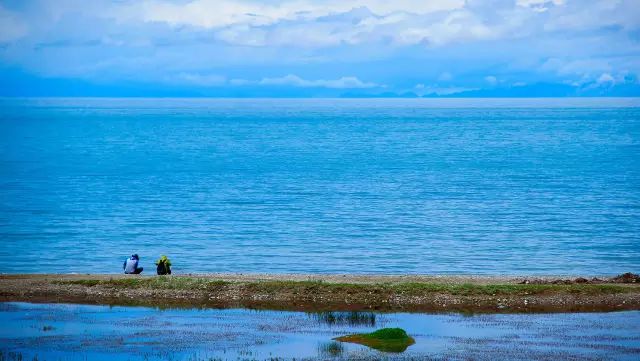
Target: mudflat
x=313, y=292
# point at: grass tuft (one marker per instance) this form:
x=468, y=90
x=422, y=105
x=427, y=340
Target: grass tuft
x=385, y=339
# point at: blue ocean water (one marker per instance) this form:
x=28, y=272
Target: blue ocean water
x=467, y=186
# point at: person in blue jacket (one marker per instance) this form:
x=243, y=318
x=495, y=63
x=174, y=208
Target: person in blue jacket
x=130, y=265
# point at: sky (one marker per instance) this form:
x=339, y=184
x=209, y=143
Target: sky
x=309, y=48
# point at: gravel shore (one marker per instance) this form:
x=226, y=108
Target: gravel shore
x=334, y=292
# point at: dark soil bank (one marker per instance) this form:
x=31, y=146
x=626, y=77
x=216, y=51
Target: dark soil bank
x=334, y=292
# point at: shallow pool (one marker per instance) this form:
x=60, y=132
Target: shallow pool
x=87, y=332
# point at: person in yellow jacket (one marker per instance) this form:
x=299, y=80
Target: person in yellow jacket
x=164, y=265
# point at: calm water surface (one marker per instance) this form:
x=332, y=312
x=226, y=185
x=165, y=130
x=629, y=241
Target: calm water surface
x=76, y=332
x=369, y=186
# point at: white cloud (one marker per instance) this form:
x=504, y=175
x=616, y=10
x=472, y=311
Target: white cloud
x=605, y=78
x=439, y=90
x=220, y=13
x=318, y=24
x=409, y=41
x=539, y=5
x=240, y=82
x=585, y=16
x=446, y=76
x=454, y=26
x=588, y=69
x=348, y=82
x=11, y=26
x=492, y=80
x=201, y=79
x=617, y=78
x=307, y=23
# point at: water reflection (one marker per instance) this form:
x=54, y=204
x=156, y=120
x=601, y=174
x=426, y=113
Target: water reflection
x=345, y=318
x=387, y=340
x=330, y=349
x=100, y=333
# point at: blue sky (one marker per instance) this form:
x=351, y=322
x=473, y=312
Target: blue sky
x=309, y=48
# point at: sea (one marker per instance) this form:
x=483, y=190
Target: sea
x=369, y=186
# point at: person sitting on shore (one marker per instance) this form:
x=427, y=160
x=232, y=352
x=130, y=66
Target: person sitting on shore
x=130, y=265
x=164, y=266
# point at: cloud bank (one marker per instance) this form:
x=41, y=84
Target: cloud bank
x=372, y=46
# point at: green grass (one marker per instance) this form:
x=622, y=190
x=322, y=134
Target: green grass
x=386, y=339
x=165, y=283
x=507, y=289
x=317, y=287
x=388, y=334
x=432, y=288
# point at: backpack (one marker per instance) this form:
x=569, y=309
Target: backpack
x=163, y=268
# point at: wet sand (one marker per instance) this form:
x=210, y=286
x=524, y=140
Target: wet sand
x=413, y=293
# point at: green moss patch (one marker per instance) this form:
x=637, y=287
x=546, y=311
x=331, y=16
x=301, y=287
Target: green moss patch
x=386, y=339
